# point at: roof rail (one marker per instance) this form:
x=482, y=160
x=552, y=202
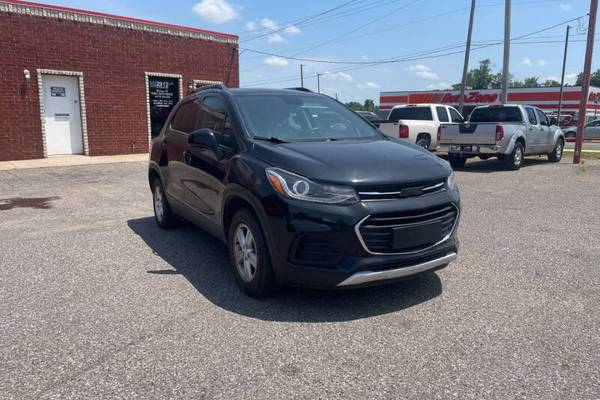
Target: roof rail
x=206, y=87
x=300, y=89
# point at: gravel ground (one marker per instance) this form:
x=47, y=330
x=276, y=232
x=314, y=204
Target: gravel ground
x=96, y=302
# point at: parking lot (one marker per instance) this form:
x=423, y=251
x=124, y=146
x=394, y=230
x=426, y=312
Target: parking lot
x=97, y=302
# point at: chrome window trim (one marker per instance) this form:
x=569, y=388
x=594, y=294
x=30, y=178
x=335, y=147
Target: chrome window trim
x=364, y=245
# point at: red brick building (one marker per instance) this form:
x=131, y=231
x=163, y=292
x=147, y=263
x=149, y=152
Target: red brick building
x=79, y=82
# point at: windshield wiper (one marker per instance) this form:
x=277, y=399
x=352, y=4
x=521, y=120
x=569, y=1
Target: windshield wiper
x=271, y=139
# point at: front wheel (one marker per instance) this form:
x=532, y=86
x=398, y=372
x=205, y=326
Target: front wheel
x=557, y=153
x=249, y=255
x=514, y=160
x=457, y=161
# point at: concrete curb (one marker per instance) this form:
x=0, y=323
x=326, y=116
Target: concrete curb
x=71, y=160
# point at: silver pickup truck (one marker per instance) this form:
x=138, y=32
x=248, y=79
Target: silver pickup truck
x=508, y=132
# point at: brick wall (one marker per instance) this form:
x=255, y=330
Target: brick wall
x=113, y=61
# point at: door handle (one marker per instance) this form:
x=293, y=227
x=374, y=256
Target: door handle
x=165, y=139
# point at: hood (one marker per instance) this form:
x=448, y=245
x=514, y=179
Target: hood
x=355, y=162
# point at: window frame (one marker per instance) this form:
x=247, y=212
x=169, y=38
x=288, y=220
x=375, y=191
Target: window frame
x=535, y=116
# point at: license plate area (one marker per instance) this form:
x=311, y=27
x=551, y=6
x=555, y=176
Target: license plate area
x=408, y=237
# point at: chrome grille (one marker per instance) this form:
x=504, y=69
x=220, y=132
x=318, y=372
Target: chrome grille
x=389, y=192
x=376, y=232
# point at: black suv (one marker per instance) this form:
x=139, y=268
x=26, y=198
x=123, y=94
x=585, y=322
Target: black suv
x=302, y=190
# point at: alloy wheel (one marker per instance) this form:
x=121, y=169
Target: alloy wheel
x=245, y=253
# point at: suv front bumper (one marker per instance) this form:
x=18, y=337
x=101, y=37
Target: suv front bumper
x=319, y=228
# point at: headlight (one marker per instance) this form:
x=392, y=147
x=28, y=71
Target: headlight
x=450, y=182
x=300, y=188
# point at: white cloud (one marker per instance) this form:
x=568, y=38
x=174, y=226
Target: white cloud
x=251, y=25
x=423, y=71
x=571, y=78
x=216, y=11
x=565, y=6
x=275, y=38
x=368, y=85
x=438, y=86
x=339, y=76
x=275, y=61
x=269, y=24
x=533, y=63
x=292, y=30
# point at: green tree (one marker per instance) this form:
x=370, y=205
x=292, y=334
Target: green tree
x=480, y=77
x=355, y=105
x=369, y=105
x=594, y=80
x=531, y=82
x=551, y=82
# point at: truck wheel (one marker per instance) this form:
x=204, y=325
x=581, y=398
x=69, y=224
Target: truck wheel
x=457, y=161
x=249, y=255
x=163, y=215
x=423, y=142
x=557, y=153
x=514, y=160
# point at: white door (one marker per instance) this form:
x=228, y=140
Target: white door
x=62, y=115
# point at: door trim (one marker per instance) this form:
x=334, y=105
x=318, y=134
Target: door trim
x=84, y=132
x=147, y=75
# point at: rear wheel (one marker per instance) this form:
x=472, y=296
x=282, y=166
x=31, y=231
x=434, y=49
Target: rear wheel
x=423, y=141
x=163, y=214
x=557, y=153
x=249, y=255
x=514, y=160
x=457, y=161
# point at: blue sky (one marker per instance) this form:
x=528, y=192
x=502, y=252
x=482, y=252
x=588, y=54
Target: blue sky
x=364, y=31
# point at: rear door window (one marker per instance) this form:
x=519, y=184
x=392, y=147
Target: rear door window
x=415, y=113
x=442, y=114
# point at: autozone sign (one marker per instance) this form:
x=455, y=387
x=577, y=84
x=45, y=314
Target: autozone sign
x=545, y=98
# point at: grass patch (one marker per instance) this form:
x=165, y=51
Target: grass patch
x=584, y=154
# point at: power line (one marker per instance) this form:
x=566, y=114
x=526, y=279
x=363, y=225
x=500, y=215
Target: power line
x=426, y=55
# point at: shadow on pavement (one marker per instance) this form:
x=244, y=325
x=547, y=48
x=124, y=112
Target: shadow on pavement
x=204, y=262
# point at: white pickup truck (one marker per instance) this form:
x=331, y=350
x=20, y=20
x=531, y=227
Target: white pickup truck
x=419, y=123
x=508, y=132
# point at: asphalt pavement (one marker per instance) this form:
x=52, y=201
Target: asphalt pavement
x=97, y=302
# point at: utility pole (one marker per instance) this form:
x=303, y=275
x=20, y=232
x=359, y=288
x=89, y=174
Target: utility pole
x=319, y=83
x=585, y=86
x=562, y=76
x=506, y=60
x=461, y=99
x=302, y=75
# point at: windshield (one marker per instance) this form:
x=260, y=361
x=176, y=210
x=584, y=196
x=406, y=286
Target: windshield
x=292, y=117
x=496, y=114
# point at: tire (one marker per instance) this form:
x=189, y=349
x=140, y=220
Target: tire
x=249, y=255
x=557, y=153
x=457, y=161
x=514, y=160
x=163, y=214
x=423, y=142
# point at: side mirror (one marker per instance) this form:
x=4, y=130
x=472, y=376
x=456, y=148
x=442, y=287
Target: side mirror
x=203, y=138
x=553, y=121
